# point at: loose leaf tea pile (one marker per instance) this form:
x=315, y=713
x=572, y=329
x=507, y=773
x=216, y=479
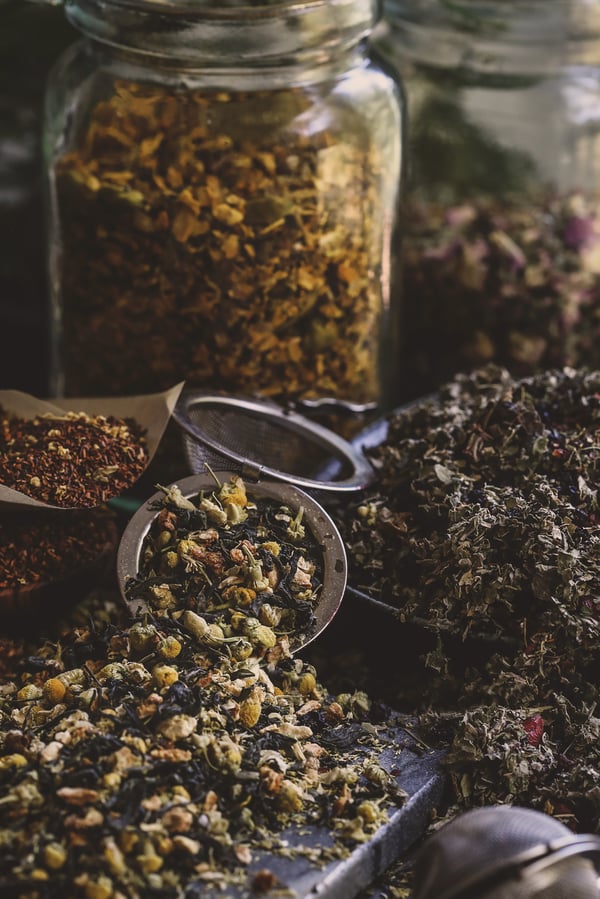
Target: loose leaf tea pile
x=488, y=511
x=217, y=237
x=71, y=460
x=139, y=761
x=244, y=571
x=512, y=281
x=485, y=525
x=42, y=549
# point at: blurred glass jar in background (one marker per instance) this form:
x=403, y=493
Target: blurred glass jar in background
x=31, y=38
x=223, y=186
x=501, y=220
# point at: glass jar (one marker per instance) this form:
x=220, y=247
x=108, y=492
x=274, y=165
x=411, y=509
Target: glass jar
x=223, y=187
x=501, y=252
x=31, y=39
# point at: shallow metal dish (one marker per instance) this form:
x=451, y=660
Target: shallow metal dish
x=320, y=524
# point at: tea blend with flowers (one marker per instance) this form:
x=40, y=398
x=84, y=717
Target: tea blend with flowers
x=246, y=574
x=511, y=282
x=71, y=460
x=483, y=523
x=209, y=237
x=139, y=760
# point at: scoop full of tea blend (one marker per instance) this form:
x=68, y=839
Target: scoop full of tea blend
x=245, y=573
x=71, y=460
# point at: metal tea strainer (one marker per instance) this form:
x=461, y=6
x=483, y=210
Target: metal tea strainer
x=262, y=440
x=277, y=452
x=507, y=852
x=315, y=518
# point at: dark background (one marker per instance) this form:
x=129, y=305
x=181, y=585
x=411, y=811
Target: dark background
x=32, y=37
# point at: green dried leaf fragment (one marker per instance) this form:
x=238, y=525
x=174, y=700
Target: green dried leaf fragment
x=269, y=209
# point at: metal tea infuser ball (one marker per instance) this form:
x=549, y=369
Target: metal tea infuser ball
x=280, y=454
x=507, y=852
x=321, y=526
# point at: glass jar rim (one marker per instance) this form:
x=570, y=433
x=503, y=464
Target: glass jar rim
x=196, y=32
x=492, y=37
x=226, y=9
x=521, y=20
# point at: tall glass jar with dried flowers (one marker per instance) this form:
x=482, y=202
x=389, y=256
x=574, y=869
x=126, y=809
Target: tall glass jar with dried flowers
x=502, y=240
x=223, y=183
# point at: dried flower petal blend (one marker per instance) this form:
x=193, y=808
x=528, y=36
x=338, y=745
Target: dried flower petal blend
x=221, y=239
x=512, y=281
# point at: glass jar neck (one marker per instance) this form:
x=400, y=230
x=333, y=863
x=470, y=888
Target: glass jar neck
x=496, y=36
x=199, y=34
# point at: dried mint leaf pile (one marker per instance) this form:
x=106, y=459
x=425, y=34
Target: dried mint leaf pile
x=485, y=525
x=491, y=496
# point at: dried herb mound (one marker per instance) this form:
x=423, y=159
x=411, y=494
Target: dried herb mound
x=47, y=548
x=485, y=526
x=545, y=757
x=71, y=460
x=246, y=574
x=138, y=761
x=486, y=519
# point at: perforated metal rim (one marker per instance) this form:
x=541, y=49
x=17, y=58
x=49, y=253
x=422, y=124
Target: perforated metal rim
x=526, y=865
x=322, y=527
x=546, y=849
x=334, y=446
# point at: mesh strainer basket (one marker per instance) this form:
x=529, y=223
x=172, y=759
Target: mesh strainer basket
x=259, y=439
x=506, y=852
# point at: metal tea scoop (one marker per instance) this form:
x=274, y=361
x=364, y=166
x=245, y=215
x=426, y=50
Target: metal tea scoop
x=260, y=439
x=506, y=852
x=315, y=520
